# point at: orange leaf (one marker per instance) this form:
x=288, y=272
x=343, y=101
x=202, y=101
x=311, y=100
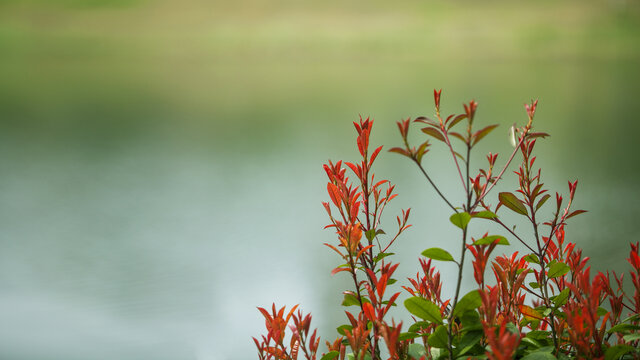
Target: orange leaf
x=338, y=269
x=334, y=194
x=530, y=313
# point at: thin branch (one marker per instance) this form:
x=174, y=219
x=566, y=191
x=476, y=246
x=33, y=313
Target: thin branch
x=455, y=159
x=496, y=179
x=514, y=234
x=434, y=186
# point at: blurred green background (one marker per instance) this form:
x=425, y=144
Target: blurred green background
x=161, y=160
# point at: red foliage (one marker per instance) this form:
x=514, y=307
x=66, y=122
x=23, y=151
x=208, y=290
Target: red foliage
x=544, y=303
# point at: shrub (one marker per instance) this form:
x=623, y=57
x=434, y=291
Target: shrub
x=544, y=305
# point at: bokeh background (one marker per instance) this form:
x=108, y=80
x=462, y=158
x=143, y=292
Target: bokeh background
x=161, y=161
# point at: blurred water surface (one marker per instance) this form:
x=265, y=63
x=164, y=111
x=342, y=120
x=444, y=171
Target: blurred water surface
x=161, y=160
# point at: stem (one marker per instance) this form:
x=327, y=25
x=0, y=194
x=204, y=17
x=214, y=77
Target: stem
x=515, y=235
x=513, y=154
x=455, y=159
x=355, y=281
x=467, y=188
x=463, y=251
x=448, y=142
x=544, y=281
x=542, y=249
x=434, y=186
x=457, y=294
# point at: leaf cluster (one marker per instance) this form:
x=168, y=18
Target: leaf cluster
x=540, y=304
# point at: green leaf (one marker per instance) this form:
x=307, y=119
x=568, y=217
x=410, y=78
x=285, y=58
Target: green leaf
x=471, y=321
x=470, y=301
x=423, y=309
x=532, y=258
x=460, y=219
x=488, y=240
x=408, y=336
x=485, y=215
x=433, y=132
x=631, y=337
x=438, y=254
x=558, y=269
x=529, y=321
x=342, y=328
x=539, y=355
x=623, y=328
x=632, y=318
x=512, y=328
x=330, y=355
x=532, y=343
x=419, y=325
x=542, y=201
x=370, y=234
x=615, y=352
x=534, y=285
x=417, y=351
x=538, y=334
x=381, y=256
x=469, y=340
x=512, y=202
x=439, y=354
x=545, y=311
x=561, y=298
x=350, y=300
x=422, y=149
x=601, y=311
x=439, y=338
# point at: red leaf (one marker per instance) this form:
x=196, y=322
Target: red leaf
x=363, y=250
x=482, y=133
x=537, y=135
x=380, y=183
x=374, y=155
x=426, y=120
x=265, y=313
x=369, y=311
x=334, y=249
x=456, y=120
x=356, y=169
x=457, y=135
x=338, y=269
x=577, y=212
x=400, y=151
x=530, y=312
x=295, y=346
x=290, y=313
x=334, y=194
x=433, y=132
